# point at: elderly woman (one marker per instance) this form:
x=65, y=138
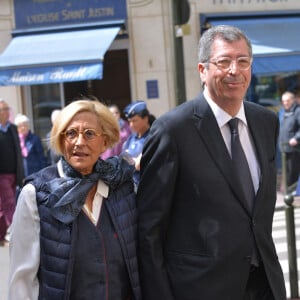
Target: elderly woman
x=31, y=146
x=73, y=232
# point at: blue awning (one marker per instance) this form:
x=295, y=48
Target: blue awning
x=275, y=42
x=56, y=57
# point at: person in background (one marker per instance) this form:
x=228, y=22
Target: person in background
x=297, y=95
x=52, y=158
x=297, y=192
x=11, y=169
x=140, y=121
x=205, y=232
x=289, y=137
x=73, y=234
x=31, y=146
x=125, y=132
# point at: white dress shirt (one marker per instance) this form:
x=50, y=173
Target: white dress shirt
x=24, y=247
x=222, y=118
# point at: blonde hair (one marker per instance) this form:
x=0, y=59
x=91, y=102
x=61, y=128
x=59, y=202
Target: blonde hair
x=107, y=122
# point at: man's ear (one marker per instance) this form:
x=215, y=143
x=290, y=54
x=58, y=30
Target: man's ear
x=202, y=72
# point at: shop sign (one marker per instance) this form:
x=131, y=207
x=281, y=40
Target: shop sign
x=41, y=13
x=51, y=74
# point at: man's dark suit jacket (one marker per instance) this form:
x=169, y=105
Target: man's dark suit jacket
x=195, y=229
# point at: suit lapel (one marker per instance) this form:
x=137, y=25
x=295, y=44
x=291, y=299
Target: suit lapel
x=209, y=132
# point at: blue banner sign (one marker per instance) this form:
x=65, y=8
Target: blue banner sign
x=50, y=74
x=45, y=13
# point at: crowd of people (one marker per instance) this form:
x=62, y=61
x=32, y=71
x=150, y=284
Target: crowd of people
x=136, y=207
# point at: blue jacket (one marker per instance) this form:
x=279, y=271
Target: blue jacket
x=290, y=128
x=134, y=147
x=36, y=159
x=57, y=239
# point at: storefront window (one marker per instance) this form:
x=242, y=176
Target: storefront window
x=267, y=90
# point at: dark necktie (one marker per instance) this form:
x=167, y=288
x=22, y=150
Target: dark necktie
x=240, y=163
x=242, y=170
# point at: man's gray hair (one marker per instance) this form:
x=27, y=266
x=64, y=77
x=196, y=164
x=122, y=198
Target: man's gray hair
x=223, y=32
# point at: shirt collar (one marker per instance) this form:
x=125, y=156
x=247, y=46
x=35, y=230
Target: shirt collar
x=102, y=189
x=222, y=116
x=143, y=136
x=5, y=127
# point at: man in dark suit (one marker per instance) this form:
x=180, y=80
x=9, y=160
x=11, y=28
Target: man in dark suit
x=201, y=236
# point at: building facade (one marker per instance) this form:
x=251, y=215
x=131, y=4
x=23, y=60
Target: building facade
x=144, y=60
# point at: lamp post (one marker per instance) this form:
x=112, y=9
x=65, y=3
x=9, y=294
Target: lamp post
x=181, y=14
x=290, y=231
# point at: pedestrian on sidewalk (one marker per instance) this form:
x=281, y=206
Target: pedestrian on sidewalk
x=11, y=169
x=125, y=132
x=33, y=154
x=289, y=137
x=140, y=121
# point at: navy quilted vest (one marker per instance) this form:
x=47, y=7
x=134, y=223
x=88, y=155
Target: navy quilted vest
x=57, y=239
